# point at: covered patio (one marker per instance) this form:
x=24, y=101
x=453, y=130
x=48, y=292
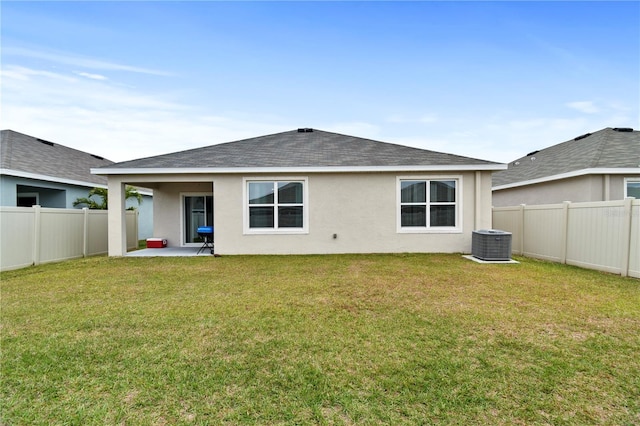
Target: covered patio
x=169, y=252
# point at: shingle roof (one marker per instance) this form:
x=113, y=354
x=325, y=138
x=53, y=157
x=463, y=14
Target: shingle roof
x=605, y=149
x=25, y=153
x=300, y=148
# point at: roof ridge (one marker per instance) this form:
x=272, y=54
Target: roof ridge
x=604, y=137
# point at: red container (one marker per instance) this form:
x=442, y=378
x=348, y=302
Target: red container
x=156, y=243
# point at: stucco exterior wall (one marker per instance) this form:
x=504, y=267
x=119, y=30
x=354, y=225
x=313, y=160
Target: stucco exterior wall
x=583, y=188
x=588, y=188
x=360, y=209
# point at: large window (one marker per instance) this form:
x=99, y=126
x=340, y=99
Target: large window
x=632, y=188
x=275, y=206
x=428, y=204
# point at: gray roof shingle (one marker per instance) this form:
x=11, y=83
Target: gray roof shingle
x=605, y=149
x=25, y=153
x=295, y=148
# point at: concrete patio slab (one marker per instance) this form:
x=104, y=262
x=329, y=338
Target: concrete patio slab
x=169, y=252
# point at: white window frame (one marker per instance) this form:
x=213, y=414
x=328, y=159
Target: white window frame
x=626, y=184
x=275, y=231
x=430, y=229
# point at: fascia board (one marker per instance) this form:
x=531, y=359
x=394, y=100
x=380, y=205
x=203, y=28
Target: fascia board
x=572, y=174
x=27, y=175
x=337, y=169
x=35, y=176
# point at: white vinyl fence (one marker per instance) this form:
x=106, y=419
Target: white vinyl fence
x=34, y=235
x=598, y=235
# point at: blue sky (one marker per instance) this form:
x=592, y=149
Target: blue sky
x=491, y=80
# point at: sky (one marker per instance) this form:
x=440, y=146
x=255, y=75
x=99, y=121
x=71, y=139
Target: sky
x=488, y=80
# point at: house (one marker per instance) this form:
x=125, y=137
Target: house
x=309, y=191
x=37, y=171
x=598, y=166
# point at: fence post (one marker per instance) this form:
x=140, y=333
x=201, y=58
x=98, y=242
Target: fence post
x=626, y=236
x=565, y=231
x=85, y=232
x=137, y=230
x=522, y=227
x=37, y=210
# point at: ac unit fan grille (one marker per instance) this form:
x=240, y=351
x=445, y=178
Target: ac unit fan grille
x=491, y=245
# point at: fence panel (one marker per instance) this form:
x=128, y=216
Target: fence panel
x=17, y=230
x=98, y=235
x=33, y=235
x=61, y=234
x=131, y=223
x=510, y=220
x=595, y=235
x=599, y=235
x=543, y=227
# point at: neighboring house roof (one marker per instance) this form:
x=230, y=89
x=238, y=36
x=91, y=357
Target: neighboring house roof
x=610, y=150
x=26, y=156
x=301, y=149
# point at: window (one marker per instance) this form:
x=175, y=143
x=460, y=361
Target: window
x=428, y=205
x=27, y=199
x=276, y=206
x=632, y=188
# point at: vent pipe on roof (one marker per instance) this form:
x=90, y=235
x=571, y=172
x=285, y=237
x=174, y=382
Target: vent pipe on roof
x=44, y=142
x=582, y=136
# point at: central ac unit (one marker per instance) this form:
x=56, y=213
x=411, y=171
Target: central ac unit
x=491, y=244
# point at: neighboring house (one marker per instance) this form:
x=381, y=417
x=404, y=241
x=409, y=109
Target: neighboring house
x=309, y=191
x=598, y=166
x=36, y=171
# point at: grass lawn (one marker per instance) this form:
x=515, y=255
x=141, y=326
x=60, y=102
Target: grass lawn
x=350, y=339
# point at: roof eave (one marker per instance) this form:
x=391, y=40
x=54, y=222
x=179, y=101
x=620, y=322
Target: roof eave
x=331, y=169
x=572, y=174
x=47, y=178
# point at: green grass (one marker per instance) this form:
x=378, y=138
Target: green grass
x=351, y=339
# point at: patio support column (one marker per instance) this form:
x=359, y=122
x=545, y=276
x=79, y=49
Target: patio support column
x=117, y=224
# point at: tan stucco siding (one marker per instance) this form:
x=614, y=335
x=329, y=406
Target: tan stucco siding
x=578, y=189
x=361, y=209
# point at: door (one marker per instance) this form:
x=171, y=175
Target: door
x=197, y=211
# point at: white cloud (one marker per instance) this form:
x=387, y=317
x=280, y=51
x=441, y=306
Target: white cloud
x=78, y=61
x=91, y=76
x=587, y=107
x=14, y=73
x=105, y=119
